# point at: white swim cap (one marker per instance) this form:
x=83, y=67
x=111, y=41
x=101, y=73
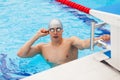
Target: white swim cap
x=55, y=23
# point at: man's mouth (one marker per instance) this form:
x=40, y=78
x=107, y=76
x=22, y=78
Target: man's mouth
x=55, y=36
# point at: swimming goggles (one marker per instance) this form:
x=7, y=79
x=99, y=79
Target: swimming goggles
x=55, y=29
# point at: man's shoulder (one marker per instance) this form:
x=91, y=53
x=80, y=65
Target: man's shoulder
x=42, y=44
x=70, y=38
x=73, y=37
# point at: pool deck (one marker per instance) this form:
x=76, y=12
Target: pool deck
x=86, y=68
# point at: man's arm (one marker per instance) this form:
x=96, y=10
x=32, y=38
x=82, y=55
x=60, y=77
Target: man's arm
x=84, y=44
x=27, y=50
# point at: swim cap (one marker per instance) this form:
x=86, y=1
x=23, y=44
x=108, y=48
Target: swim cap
x=55, y=23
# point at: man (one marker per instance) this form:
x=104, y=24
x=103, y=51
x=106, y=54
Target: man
x=59, y=50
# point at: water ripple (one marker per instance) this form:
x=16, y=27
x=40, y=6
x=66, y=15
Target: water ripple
x=12, y=72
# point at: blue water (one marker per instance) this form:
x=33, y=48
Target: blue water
x=21, y=19
x=111, y=6
x=97, y=3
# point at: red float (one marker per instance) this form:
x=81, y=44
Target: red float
x=75, y=5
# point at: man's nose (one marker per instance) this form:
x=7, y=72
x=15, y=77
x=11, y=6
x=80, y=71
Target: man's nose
x=55, y=32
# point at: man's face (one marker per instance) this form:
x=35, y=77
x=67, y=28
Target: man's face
x=55, y=32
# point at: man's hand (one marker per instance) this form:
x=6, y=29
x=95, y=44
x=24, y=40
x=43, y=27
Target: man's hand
x=42, y=32
x=105, y=37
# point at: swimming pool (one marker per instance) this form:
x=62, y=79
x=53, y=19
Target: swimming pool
x=19, y=21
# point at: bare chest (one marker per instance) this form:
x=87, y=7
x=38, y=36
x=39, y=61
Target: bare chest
x=59, y=54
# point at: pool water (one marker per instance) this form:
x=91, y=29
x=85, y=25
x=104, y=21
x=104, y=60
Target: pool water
x=97, y=3
x=21, y=19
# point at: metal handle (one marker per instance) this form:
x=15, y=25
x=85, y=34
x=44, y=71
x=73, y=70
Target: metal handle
x=93, y=26
x=92, y=36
